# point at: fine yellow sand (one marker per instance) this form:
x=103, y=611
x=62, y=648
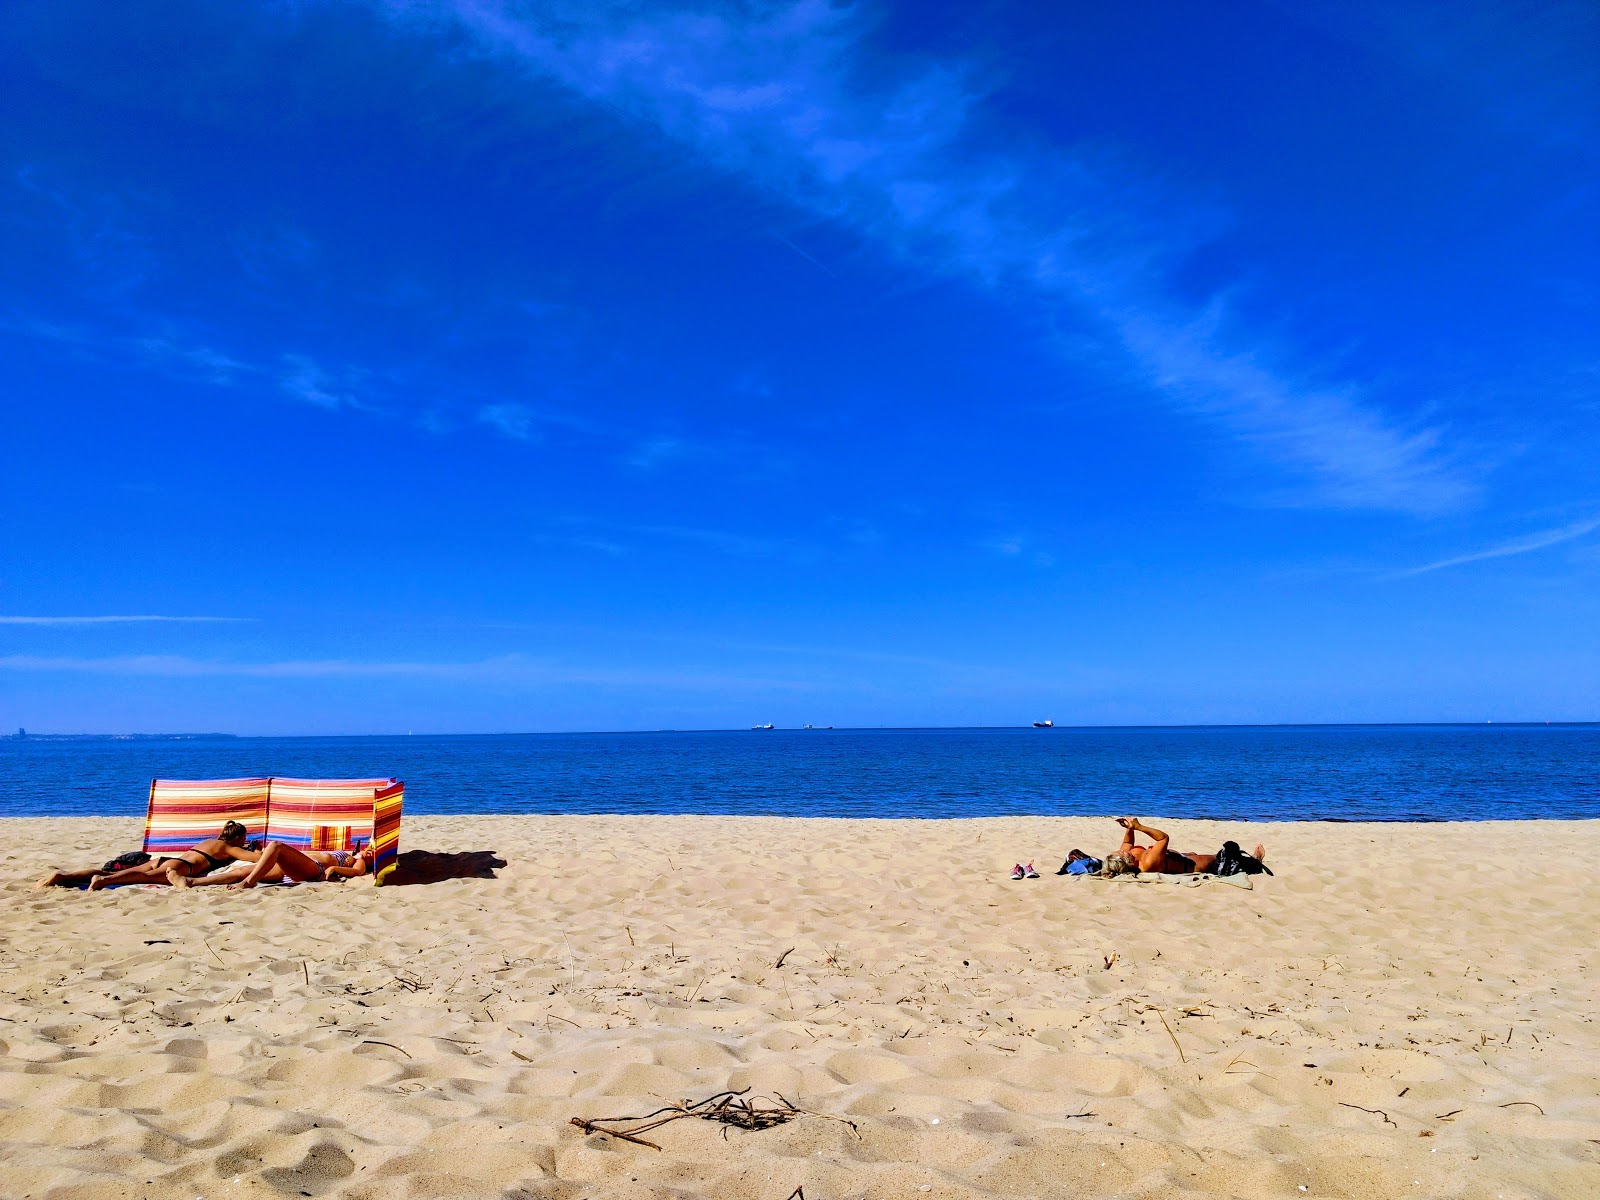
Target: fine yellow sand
x=1403, y=1011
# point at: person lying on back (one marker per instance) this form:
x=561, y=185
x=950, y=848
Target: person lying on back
x=1159, y=859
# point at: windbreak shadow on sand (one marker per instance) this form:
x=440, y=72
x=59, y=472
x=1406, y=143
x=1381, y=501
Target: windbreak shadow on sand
x=435, y=866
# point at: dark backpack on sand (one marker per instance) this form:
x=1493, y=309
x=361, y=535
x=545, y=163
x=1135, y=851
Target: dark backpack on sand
x=1233, y=861
x=133, y=858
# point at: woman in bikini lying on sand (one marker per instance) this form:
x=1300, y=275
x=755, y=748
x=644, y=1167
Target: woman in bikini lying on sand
x=1157, y=859
x=279, y=862
x=176, y=869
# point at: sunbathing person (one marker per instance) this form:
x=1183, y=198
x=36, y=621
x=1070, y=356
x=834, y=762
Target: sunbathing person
x=1159, y=859
x=279, y=861
x=178, y=869
x=82, y=878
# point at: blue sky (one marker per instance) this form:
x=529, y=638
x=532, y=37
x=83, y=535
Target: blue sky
x=473, y=366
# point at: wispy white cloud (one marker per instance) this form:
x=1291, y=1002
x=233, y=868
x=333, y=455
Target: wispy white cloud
x=781, y=96
x=513, y=420
x=116, y=260
x=1528, y=69
x=303, y=378
x=617, y=538
x=1522, y=545
x=507, y=669
x=297, y=376
x=111, y=620
x=658, y=451
x=717, y=539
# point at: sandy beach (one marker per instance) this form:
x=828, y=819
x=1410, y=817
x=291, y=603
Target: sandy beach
x=1402, y=1011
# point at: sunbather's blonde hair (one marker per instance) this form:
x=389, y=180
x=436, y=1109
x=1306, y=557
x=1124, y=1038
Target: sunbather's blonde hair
x=1119, y=864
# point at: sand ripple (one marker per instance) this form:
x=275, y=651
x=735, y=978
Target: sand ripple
x=1357, y=1027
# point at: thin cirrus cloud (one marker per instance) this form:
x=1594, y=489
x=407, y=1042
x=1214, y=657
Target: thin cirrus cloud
x=507, y=669
x=771, y=97
x=1522, y=545
x=297, y=376
x=114, y=620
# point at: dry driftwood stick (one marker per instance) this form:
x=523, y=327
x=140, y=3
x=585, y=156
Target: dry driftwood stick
x=778, y=966
x=1171, y=1035
x=391, y=1045
x=1377, y=1112
x=727, y=1108
x=1514, y=1103
x=1448, y=1115
x=590, y=1127
x=813, y=1113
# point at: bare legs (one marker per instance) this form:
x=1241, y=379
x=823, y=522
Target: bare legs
x=69, y=878
x=233, y=874
x=293, y=864
x=161, y=870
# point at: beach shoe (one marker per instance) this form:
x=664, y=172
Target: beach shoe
x=1018, y=873
x=1029, y=873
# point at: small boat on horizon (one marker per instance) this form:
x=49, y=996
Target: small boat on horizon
x=768, y=725
x=1046, y=724
x=819, y=726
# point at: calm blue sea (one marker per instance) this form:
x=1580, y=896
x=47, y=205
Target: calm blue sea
x=1344, y=772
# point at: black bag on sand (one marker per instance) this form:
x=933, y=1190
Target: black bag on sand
x=1233, y=861
x=133, y=858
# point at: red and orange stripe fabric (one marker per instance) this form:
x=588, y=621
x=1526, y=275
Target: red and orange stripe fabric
x=321, y=814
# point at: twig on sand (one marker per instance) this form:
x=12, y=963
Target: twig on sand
x=391, y=1045
x=726, y=1108
x=306, y=971
x=1377, y=1112
x=1085, y=1113
x=1172, y=1035
x=1513, y=1103
x=214, y=954
x=591, y=1127
x=778, y=966
x=799, y=1193
x=1448, y=1115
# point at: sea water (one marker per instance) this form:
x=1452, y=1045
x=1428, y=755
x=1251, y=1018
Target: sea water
x=1321, y=772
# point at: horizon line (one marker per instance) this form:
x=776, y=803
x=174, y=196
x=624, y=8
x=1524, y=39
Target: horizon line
x=22, y=735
